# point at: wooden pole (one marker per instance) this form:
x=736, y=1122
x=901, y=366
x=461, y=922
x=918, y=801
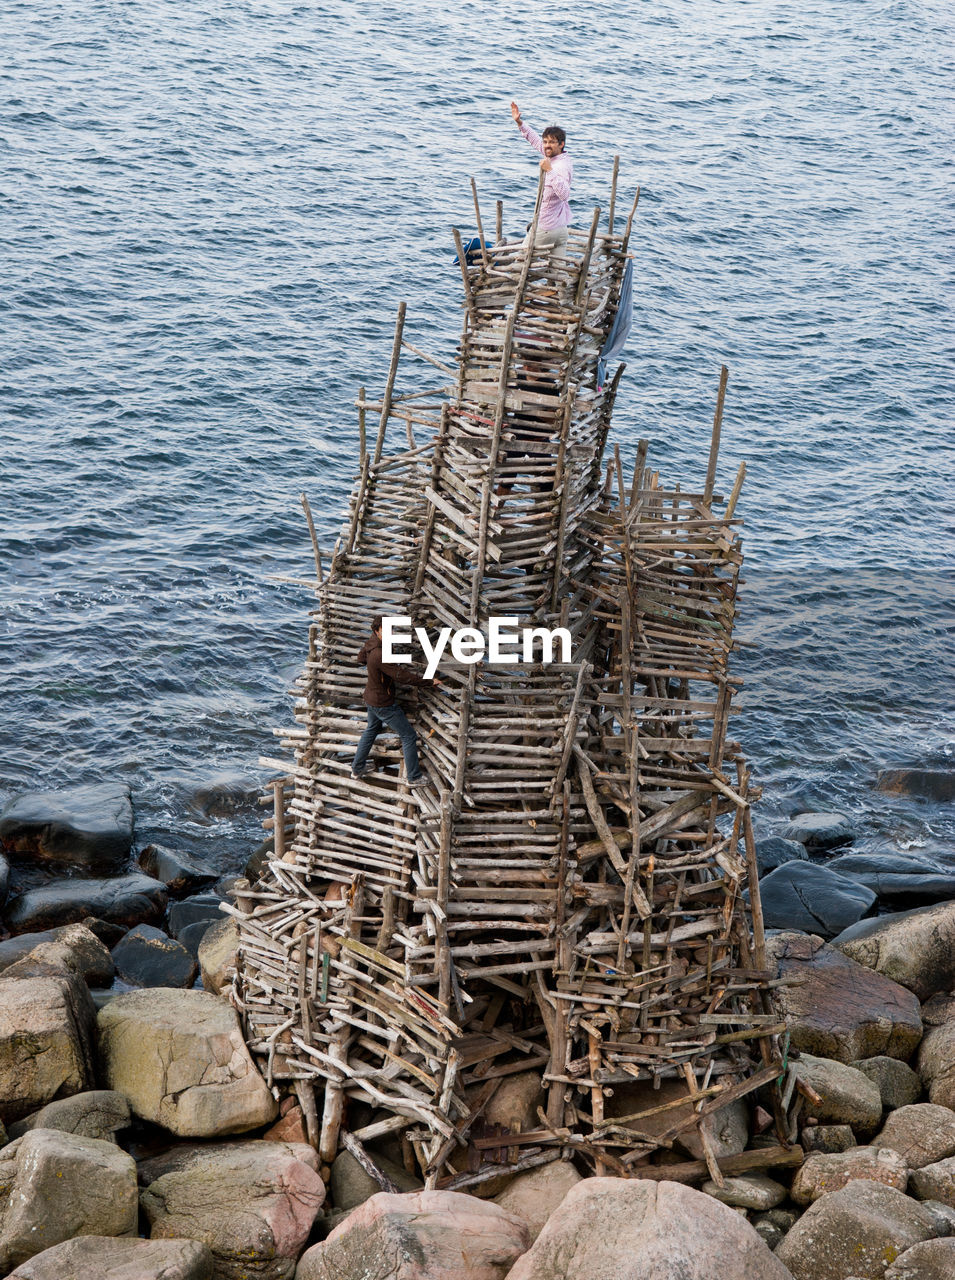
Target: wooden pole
x=390, y=386
x=613, y=194
x=715, y=439
x=480, y=224
x=316, y=549
x=499, y=222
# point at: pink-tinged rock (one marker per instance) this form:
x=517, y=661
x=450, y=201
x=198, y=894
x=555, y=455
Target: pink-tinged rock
x=614, y=1229
x=105, y=1258
x=424, y=1235
x=253, y=1203
x=533, y=1196
x=921, y=1133
x=822, y=1174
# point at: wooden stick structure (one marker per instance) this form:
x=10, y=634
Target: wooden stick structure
x=566, y=894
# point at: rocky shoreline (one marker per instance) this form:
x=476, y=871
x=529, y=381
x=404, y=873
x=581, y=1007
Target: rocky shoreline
x=141, y=1139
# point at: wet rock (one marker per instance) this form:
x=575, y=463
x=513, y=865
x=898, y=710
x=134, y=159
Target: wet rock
x=901, y=880
x=898, y=1084
x=259, y=860
x=4, y=879
x=922, y=1134
x=854, y=1232
x=615, y=1229
x=217, y=952
x=935, y=1181
x=426, y=1235
x=351, y=1186
x=180, y=1059
x=840, y=1009
x=178, y=872
x=800, y=895
x=126, y=900
x=147, y=957
x=914, y=948
x=820, y=831
x=97, y=1114
x=727, y=1128
x=937, y=785
x=749, y=1191
x=848, y=1096
x=89, y=827
x=64, y=1185
x=201, y=908
x=252, y=1203
x=823, y=1174
x=928, y=1260
x=773, y=851
x=533, y=1196
x=936, y=1064
x=109, y=934
x=46, y=1037
x=225, y=796
x=828, y=1138
x=73, y=945
x=107, y=1258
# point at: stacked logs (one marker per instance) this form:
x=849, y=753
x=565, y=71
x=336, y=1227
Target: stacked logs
x=566, y=893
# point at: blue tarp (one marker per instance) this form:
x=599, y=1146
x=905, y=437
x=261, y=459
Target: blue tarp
x=620, y=329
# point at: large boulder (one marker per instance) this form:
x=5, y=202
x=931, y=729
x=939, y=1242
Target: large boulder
x=614, y=1229
x=74, y=946
x=900, y=879
x=820, y=831
x=63, y=1185
x=922, y=1134
x=753, y=1191
x=89, y=827
x=46, y=1037
x=181, y=1060
x=838, y=1009
x=126, y=900
x=533, y=1196
x=252, y=1203
x=936, y=1063
x=800, y=895
x=935, y=1181
x=178, y=872
x=121, y=1258
x=147, y=957
x=914, y=948
x=97, y=1114
x=848, y=1096
x=854, y=1232
x=820, y=1175
x=201, y=908
x=351, y=1186
x=425, y=1235
x=217, y=951
x=773, y=851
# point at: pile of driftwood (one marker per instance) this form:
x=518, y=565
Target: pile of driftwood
x=567, y=893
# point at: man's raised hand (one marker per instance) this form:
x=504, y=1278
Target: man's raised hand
x=516, y=112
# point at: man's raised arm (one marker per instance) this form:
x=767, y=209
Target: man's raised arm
x=526, y=130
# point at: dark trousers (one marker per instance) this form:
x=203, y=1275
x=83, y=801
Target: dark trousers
x=392, y=718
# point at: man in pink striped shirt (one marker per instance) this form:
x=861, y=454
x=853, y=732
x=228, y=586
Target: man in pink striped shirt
x=558, y=169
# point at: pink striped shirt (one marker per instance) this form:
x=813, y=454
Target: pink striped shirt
x=555, y=209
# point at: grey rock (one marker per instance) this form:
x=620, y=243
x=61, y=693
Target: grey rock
x=4, y=879
x=853, y=1232
x=901, y=880
x=936, y=1064
x=351, y=1186
x=827, y=1138
x=837, y=1008
x=178, y=872
x=119, y=1258
x=928, y=1260
x=898, y=1084
x=748, y=1191
x=181, y=1060
x=773, y=851
x=937, y=785
x=819, y=831
x=914, y=948
x=64, y=1185
x=921, y=1133
x=848, y=1096
x=824, y=1174
x=800, y=895
x=90, y=827
x=127, y=900
x=223, y=797
x=97, y=1114
x=935, y=1181
x=942, y=1215
x=147, y=957
x=217, y=951
x=768, y=1231
x=86, y=955
x=201, y=908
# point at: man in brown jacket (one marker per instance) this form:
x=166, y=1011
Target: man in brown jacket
x=383, y=710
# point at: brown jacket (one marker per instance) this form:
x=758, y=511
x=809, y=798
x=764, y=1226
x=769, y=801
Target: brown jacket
x=383, y=676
